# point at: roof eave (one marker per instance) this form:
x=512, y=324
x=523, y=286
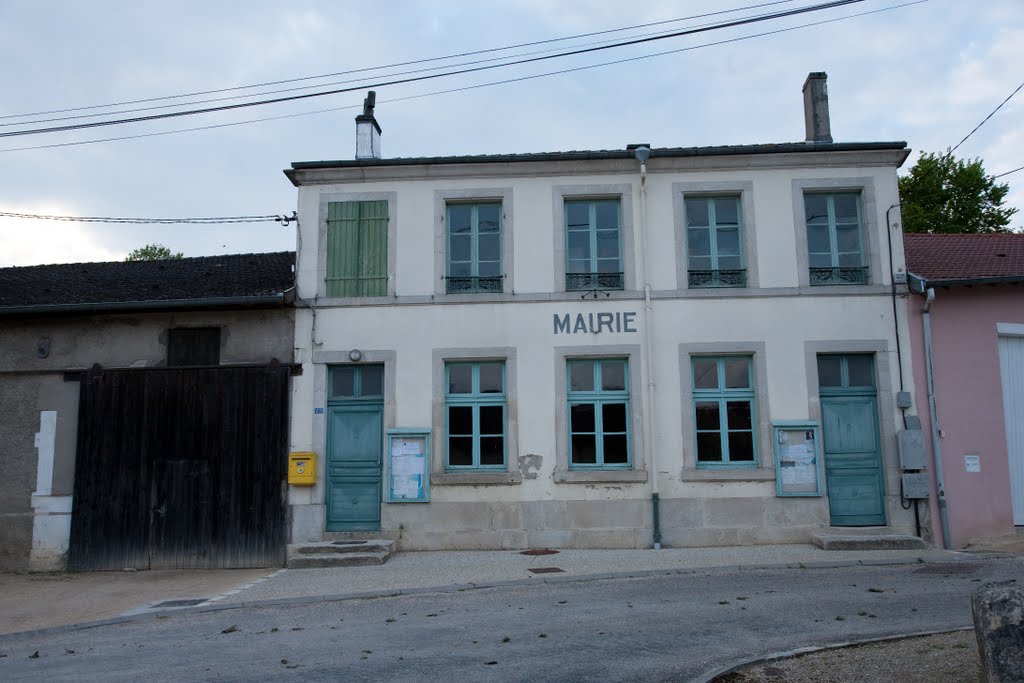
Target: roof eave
x=280, y=299
x=921, y=284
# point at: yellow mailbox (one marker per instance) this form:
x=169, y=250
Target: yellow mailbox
x=302, y=468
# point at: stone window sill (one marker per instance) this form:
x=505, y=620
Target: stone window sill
x=722, y=474
x=600, y=476
x=475, y=478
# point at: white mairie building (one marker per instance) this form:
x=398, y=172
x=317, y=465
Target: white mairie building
x=603, y=349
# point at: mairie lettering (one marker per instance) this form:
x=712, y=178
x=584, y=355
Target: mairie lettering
x=595, y=323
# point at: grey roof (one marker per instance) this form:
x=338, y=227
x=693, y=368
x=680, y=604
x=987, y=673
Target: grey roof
x=205, y=281
x=584, y=155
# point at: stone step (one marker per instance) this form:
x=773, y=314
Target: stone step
x=335, y=560
x=339, y=553
x=369, y=546
x=863, y=541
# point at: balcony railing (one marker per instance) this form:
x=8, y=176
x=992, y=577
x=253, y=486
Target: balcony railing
x=718, y=278
x=460, y=285
x=839, y=276
x=593, y=281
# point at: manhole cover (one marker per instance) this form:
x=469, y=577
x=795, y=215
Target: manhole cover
x=191, y=602
x=948, y=568
x=539, y=551
x=545, y=570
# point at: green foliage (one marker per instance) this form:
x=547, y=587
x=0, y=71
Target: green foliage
x=943, y=194
x=152, y=252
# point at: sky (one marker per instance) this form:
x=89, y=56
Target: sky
x=925, y=73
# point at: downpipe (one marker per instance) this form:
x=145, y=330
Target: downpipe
x=933, y=418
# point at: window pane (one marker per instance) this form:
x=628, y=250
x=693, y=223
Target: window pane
x=491, y=378
x=698, y=242
x=705, y=373
x=488, y=217
x=818, y=240
x=610, y=265
x=729, y=263
x=607, y=215
x=737, y=373
x=579, y=245
x=709, y=447
x=460, y=269
x=461, y=248
x=829, y=371
x=616, y=452
x=851, y=260
x=700, y=263
x=848, y=238
x=492, y=450
x=707, y=415
x=607, y=243
x=845, y=206
x=728, y=241
x=815, y=208
x=738, y=414
x=613, y=375
x=577, y=215
x=578, y=266
x=727, y=211
x=741, y=447
x=861, y=370
x=581, y=417
x=492, y=419
x=613, y=417
x=373, y=380
x=343, y=381
x=489, y=247
x=584, y=451
x=460, y=379
x=460, y=419
x=459, y=218
x=489, y=269
x=581, y=376
x=697, y=212
x=460, y=451
x=820, y=260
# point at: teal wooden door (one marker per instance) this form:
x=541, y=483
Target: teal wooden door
x=355, y=440
x=853, y=456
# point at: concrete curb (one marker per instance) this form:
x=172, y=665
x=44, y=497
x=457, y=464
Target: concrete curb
x=796, y=652
x=456, y=588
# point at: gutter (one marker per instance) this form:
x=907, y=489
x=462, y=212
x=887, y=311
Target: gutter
x=284, y=298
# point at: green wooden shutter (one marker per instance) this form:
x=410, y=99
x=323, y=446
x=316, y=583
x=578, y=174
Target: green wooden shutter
x=357, y=248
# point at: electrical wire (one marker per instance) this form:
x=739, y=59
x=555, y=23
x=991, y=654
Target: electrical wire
x=1019, y=168
x=397, y=64
x=213, y=220
x=987, y=117
x=463, y=88
x=381, y=84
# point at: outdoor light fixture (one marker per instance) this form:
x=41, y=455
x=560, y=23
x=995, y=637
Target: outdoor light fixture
x=355, y=355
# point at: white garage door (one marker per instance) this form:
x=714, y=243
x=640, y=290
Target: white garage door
x=1011, y=360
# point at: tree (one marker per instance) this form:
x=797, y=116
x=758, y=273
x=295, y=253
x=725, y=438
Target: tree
x=943, y=194
x=152, y=252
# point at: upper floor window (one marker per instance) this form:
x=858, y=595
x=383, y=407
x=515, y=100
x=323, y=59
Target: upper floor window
x=598, y=396
x=713, y=242
x=835, y=244
x=724, y=415
x=357, y=248
x=475, y=419
x=593, y=244
x=193, y=346
x=474, y=248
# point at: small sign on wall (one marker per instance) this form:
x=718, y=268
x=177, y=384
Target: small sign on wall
x=797, y=458
x=972, y=463
x=408, y=466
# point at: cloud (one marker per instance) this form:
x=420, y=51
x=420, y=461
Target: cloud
x=26, y=242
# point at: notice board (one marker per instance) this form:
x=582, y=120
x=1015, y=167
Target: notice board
x=797, y=458
x=407, y=478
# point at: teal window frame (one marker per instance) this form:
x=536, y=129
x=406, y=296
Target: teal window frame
x=473, y=282
x=835, y=266
x=715, y=275
x=357, y=249
x=597, y=276
x=358, y=383
x=722, y=396
x=475, y=399
x=598, y=398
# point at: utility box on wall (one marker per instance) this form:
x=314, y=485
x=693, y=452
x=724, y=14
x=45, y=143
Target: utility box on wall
x=302, y=468
x=910, y=444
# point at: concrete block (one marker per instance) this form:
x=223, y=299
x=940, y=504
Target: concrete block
x=454, y=517
x=513, y=539
x=607, y=538
x=998, y=610
x=307, y=523
x=681, y=513
x=700, y=538
x=506, y=516
x=776, y=534
x=544, y=514
x=795, y=512
x=552, y=538
x=734, y=512
x=600, y=514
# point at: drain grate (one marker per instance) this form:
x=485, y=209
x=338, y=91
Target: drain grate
x=539, y=551
x=545, y=570
x=191, y=602
x=948, y=568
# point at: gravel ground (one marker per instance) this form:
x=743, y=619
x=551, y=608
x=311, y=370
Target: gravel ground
x=942, y=658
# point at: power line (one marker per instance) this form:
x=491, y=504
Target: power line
x=214, y=220
x=395, y=64
x=1020, y=168
x=290, y=98
x=465, y=88
x=987, y=117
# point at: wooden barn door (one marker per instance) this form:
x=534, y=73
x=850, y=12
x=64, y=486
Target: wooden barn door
x=180, y=468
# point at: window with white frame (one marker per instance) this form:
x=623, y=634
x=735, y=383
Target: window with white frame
x=473, y=247
x=714, y=244
x=835, y=238
x=593, y=244
x=724, y=410
x=475, y=416
x=599, y=414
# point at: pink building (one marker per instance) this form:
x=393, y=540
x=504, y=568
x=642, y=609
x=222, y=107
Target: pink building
x=967, y=335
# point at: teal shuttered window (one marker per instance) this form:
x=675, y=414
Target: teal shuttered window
x=475, y=419
x=599, y=416
x=357, y=248
x=724, y=415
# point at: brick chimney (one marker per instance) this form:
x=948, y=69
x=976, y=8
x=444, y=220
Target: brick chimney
x=816, y=121
x=368, y=130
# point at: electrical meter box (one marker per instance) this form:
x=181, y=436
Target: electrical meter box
x=910, y=444
x=302, y=468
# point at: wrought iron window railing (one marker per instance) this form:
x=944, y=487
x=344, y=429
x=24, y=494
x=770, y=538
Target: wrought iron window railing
x=839, y=276
x=459, y=285
x=718, y=278
x=592, y=281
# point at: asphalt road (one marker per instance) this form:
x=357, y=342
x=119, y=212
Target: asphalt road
x=659, y=628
